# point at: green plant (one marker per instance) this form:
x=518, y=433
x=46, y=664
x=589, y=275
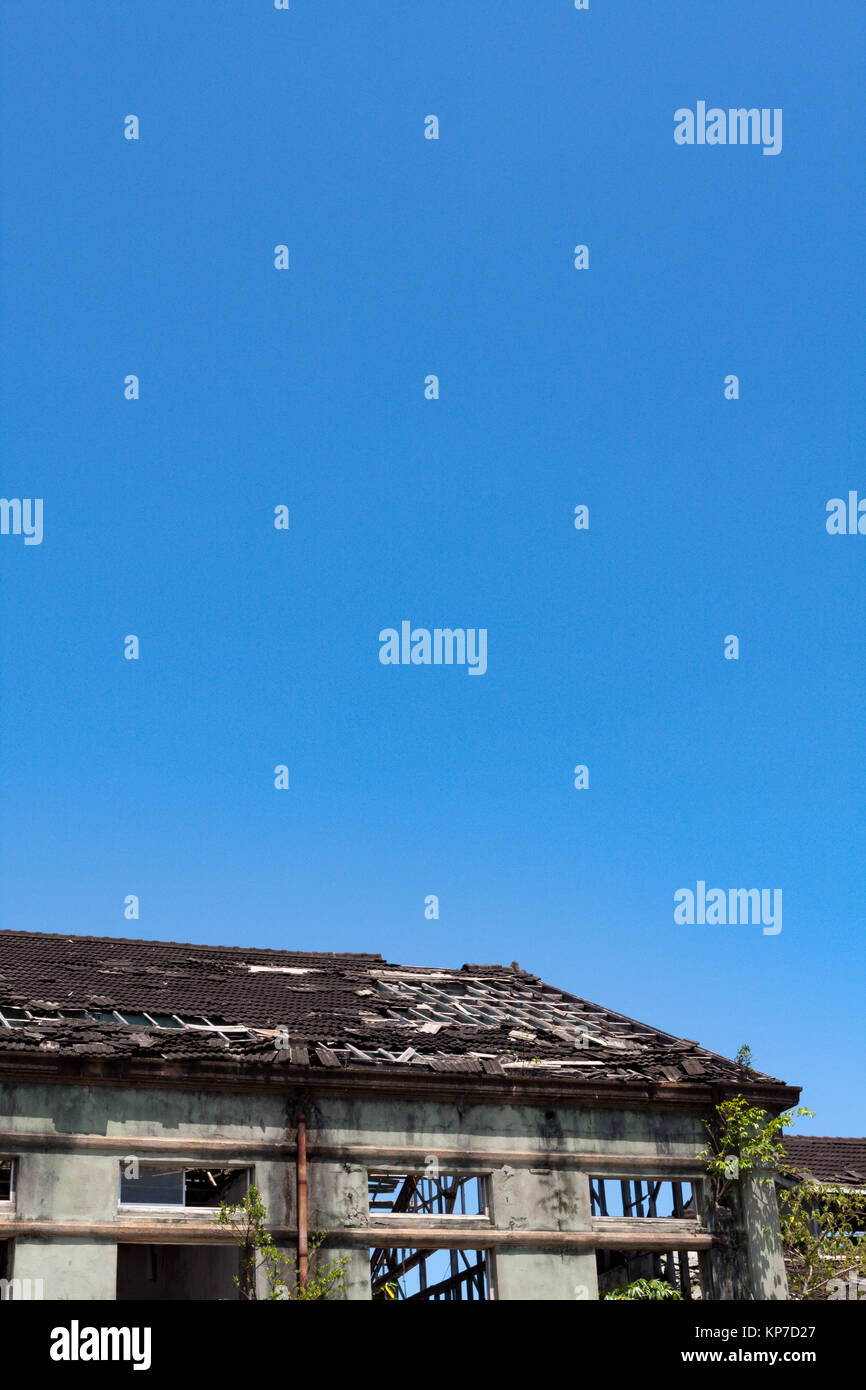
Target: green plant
x=822, y=1234
x=744, y=1057
x=744, y=1138
x=822, y=1225
x=644, y=1288
x=247, y=1219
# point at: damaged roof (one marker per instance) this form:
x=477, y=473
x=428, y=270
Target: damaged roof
x=115, y=997
x=828, y=1159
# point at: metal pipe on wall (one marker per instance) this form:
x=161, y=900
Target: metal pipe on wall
x=302, y=1202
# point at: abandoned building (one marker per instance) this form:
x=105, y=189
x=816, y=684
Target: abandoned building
x=457, y=1134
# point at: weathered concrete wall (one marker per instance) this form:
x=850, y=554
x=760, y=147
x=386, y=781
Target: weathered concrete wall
x=83, y=1186
x=69, y=1186
x=145, y=1111
x=520, y=1198
x=542, y=1199
x=337, y=1120
x=69, y=1269
x=337, y=1197
x=533, y=1275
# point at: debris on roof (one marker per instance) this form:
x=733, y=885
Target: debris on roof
x=323, y=1010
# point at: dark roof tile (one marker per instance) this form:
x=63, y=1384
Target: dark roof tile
x=333, y=1009
x=827, y=1158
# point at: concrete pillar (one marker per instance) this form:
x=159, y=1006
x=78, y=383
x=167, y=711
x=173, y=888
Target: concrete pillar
x=356, y=1276
x=68, y=1187
x=541, y=1199
x=68, y=1268
x=338, y=1198
x=544, y=1276
x=760, y=1216
x=724, y=1269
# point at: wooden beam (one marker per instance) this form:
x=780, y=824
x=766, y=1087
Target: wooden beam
x=165, y=1232
x=625, y=1228
x=482, y=1238
x=399, y=1220
x=637, y=1235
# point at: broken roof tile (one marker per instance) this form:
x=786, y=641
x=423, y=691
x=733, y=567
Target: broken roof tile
x=345, y=1010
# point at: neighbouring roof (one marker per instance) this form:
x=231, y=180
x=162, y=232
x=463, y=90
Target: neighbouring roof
x=330, y=1010
x=827, y=1158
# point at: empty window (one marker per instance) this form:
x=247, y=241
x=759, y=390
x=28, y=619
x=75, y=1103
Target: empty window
x=422, y=1194
x=434, y=1276
x=167, y=1185
x=641, y=1197
x=7, y=1181
x=424, y=1199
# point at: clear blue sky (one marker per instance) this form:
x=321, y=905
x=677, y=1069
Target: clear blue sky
x=558, y=387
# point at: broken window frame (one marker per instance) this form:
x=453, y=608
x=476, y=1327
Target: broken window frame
x=490, y=1004
x=470, y=1269
x=418, y=1175
x=18, y=1016
x=169, y=1167
x=639, y=1195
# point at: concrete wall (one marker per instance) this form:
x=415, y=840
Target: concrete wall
x=83, y=1186
x=68, y=1186
x=69, y=1269
x=428, y=1124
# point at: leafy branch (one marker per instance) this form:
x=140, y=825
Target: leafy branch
x=247, y=1220
x=644, y=1288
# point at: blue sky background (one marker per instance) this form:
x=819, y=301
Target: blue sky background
x=558, y=387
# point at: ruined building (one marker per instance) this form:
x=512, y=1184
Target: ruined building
x=458, y=1134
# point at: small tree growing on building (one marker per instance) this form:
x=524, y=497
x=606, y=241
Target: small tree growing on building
x=743, y=1139
x=258, y=1248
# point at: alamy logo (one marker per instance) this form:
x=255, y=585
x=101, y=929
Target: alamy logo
x=855, y=1289
x=736, y=126
x=12, y=1289
x=737, y=906
x=22, y=514
x=446, y=646
x=76, y=1343
x=847, y=520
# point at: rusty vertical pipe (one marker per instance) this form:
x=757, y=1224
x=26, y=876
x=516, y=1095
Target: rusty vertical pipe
x=302, y=1201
